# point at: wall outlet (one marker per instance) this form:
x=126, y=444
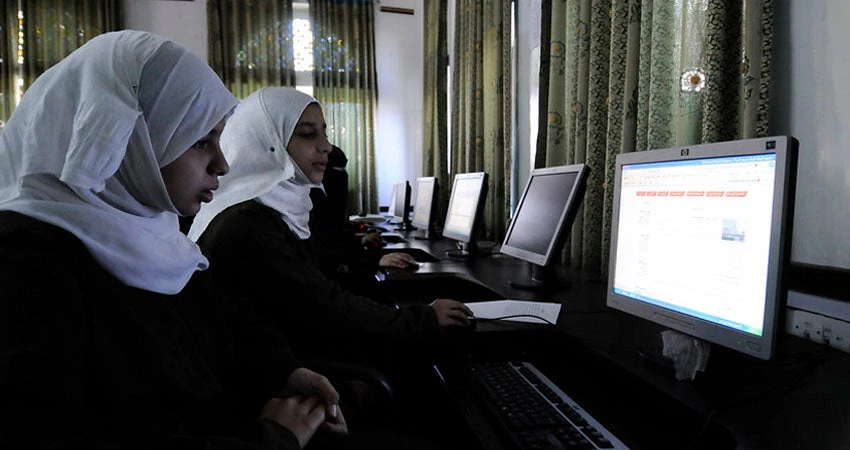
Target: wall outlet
x=804, y=324
x=836, y=333
x=817, y=328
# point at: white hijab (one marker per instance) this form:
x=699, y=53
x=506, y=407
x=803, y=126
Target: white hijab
x=84, y=148
x=254, y=142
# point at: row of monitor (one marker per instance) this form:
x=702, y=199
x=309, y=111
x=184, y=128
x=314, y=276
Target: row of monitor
x=550, y=201
x=699, y=234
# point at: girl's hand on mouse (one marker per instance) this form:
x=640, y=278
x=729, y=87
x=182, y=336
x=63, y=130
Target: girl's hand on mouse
x=371, y=239
x=398, y=259
x=451, y=312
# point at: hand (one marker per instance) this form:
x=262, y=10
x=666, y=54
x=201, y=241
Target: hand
x=371, y=238
x=451, y=312
x=306, y=383
x=396, y=259
x=300, y=415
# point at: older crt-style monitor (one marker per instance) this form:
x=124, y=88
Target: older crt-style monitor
x=424, y=206
x=466, y=204
x=699, y=239
x=399, y=210
x=543, y=218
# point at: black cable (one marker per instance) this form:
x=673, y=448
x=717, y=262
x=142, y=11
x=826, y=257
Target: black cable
x=490, y=319
x=809, y=364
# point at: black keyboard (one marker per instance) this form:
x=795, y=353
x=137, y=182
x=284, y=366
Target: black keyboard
x=534, y=411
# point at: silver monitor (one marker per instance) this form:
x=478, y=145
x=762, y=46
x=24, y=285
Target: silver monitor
x=700, y=236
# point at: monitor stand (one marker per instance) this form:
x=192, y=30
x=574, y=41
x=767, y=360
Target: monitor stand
x=464, y=250
x=429, y=235
x=543, y=278
x=405, y=226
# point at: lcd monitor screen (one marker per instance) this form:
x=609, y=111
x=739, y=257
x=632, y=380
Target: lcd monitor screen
x=423, y=205
x=467, y=197
x=545, y=211
x=400, y=202
x=699, y=237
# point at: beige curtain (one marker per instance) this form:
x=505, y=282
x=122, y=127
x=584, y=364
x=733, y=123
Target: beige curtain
x=481, y=118
x=250, y=44
x=51, y=29
x=345, y=82
x=631, y=75
x=435, y=126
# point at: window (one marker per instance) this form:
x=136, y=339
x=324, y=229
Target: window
x=302, y=43
x=16, y=76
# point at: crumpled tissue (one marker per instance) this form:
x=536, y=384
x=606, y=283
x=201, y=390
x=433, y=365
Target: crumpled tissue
x=689, y=354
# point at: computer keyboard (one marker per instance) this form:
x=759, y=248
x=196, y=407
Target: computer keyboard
x=534, y=411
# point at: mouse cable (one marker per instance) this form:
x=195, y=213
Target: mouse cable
x=767, y=392
x=532, y=316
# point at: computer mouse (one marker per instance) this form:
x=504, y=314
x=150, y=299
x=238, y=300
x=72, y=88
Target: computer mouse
x=375, y=244
x=411, y=265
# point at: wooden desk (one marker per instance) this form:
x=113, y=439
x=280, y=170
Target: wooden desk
x=799, y=400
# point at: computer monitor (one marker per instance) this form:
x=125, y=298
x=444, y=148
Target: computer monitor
x=399, y=209
x=542, y=220
x=424, y=206
x=700, y=237
x=466, y=205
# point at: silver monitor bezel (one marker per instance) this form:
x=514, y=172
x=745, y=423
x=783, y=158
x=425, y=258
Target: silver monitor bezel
x=431, y=210
x=482, y=193
x=763, y=347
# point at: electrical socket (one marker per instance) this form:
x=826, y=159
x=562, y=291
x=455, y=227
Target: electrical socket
x=804, y=324
x=836, y=333
x=817, y=328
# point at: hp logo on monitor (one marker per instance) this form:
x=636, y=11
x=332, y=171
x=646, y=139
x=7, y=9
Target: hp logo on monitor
x=684, y=152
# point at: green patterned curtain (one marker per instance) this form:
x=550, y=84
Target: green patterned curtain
x=346, y=83
x=435, y=127
x=9, y=68
x=250, y=44
x=481, y=119
x=34, y=35
x=631, y=75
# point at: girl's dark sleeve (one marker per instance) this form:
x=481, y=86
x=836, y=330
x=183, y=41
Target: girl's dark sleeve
x=263, y=358
x=44, y=385
x=254, y=253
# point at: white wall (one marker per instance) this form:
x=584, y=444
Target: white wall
x=184, y=22
x=811, y=100
x=399, y=121
x=527, y=82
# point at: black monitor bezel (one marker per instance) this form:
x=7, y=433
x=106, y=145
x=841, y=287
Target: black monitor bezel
x=566, y=216
x=762, y=347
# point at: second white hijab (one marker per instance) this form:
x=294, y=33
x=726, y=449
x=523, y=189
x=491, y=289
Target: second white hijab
x=254, y=142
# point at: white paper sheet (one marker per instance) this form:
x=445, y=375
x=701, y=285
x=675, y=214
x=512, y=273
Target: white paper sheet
x=368, y=218
x=502, y=308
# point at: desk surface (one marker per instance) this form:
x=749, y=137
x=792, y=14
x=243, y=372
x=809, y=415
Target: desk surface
x=798, y=400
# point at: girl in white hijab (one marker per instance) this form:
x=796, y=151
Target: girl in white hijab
x=105, y=323
x=97, y=174
x=255, y=145
x=257, y=238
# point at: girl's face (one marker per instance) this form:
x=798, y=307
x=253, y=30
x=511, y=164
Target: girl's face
x=309, y=146
x=192, y=178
